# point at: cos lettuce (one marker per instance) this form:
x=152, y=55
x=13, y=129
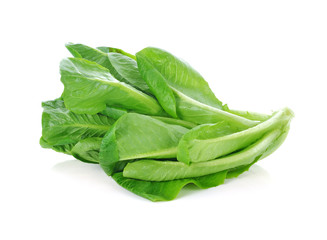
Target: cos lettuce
x=152, y=122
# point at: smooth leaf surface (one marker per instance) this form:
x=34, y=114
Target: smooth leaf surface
x=157, y=65
x=89, y=88
x=194, y=111
x=181, y=90
x=120, y=64
x=168, y=190
x=94, y=55
x=136, y=136
x=211, y=141
x=153, y=170
x=65, y=148
x=127, y=68
x=87, y=150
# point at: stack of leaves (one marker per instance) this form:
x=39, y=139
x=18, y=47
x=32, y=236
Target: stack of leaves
x=152, y=122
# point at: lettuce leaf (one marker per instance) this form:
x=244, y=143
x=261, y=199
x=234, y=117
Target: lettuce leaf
x=89, y=88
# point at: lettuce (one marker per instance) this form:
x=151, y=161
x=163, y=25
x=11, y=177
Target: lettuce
x=152, y=122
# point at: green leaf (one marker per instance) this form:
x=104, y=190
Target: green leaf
x=174, y=121
x=113, y=112
x=168, y=190
x=128, y=70
x=89, y=88
x=152, y=170
x=276, y=144
x=211, y=141
x=94, y=55
x=161, y=69
x=182, y=91
x=116, y=50
x=61, y=126
x=87, y=150
x=66, y=148
x=120, y=64
x=136, y=136
x=116, y=113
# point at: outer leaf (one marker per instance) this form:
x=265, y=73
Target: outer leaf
x=66, y=148
x=87, y=150
x=128, y=70
x=94, y=55
x=181, y=90
x=158, y=65
x=152, y=170
x=89, y=88
x=136, y=136
x=120, y=64
x=168, y=190
x=211, y=141
x=199, y=113
x=61, y=126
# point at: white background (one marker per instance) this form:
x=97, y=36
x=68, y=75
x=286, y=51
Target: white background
x=256, y=55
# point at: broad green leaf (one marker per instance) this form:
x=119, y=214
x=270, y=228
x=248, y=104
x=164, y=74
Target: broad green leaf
x=181, y=90
x=89, y=88
x=128, y=70
x=161, y=69
x=65, y=148
x=119, y=63
x=199, y=113
x=61, y=126
x=136, y=136
x=87, y=150
x=94, y=55
x=153, y=170
x=168, y=190
x=211, y=141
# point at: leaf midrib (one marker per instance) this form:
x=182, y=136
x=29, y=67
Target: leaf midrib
x=265, y=126
x=92, y=126
x=213, y=109
x=163, y=153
